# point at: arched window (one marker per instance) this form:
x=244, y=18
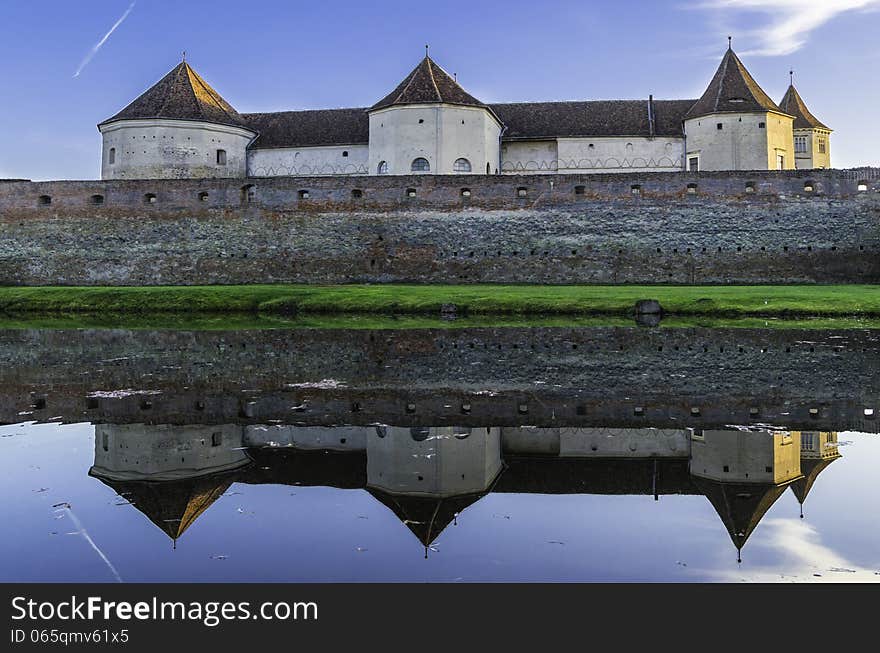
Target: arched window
x=383, y=168
x=461, y=165
x=420, y=165
x=111, y=157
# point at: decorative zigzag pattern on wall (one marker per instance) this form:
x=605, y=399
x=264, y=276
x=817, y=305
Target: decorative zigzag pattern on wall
x=663, y=163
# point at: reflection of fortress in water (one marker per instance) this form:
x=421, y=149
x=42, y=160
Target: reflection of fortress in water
x=428, y=475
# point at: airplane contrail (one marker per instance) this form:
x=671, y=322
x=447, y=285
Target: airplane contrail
x=97, y=46
x=81, y=530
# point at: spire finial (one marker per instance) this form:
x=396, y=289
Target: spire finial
x=791, y=77
x=426, y=50
x=729, y=42
x=184, y=56
x=455, y=77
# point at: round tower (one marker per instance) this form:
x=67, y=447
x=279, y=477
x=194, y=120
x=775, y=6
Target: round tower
x=179, y=128
x=431, y=125
x=736, y=126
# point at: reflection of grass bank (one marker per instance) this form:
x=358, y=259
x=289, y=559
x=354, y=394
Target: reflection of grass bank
x=707, y=301
x=241, y=321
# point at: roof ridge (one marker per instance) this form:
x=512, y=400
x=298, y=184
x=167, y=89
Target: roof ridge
x=190, y=73
x=726, y=63
x=434, y=81
x=219, y=102
x=412, y=78
x=167, y=97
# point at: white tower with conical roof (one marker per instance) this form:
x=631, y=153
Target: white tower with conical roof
x=736, y=126
x=431, y=125
x=179, y=128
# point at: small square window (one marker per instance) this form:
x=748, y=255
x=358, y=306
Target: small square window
x=762, y=125
x=720, y=125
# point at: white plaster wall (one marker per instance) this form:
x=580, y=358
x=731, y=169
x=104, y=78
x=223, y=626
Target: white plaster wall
x=741, y=144
x=166, y=452
x=624, y=443
x=173, y=149
x=446, y=133
x=621, y=154
x=309, y=161
x=337, y=438
x=529, y=156
x=444, y=463
x=747, y=455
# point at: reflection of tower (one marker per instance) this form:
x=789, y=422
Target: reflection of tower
x=743, y=473
x=818, y=450
x=428, y=475
x=172, y=474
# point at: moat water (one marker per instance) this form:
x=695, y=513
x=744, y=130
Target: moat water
x=377, y=455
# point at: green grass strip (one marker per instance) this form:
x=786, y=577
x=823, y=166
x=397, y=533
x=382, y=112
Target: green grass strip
x=470, y=300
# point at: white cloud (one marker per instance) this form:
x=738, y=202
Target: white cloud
x=91, y=53
x=785, y=24
x=803, y=558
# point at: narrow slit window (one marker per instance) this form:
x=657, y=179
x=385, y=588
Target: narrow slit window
x=221, y=157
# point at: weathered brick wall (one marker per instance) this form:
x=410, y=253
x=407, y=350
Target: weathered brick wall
x=791, y=227
x=501, y=376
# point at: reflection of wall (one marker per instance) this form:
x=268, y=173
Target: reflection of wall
x=342, y=438
x=597, y=442
x=745, y=456
x=166, y=452
x=433, y=461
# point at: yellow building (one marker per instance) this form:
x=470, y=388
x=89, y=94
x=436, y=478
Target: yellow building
x=743, y=473
x=812, y=147
x=818, y=450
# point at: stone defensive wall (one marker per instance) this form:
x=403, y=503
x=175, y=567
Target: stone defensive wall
x=546, y=376
x=819, y=226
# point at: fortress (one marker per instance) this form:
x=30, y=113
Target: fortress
x=429, y=125
x=195, y=193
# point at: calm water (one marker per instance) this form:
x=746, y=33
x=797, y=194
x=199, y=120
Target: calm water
x=243, y=457
x=444, y=508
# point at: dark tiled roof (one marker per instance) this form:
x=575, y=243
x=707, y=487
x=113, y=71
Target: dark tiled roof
x=594, y=118
x=524, y=120
x=810, y=468
x=732, y=89
x=740, y=505
x=310, y=128
x=173, y=506
x=427, y=83
x=181, y=95
x=793, y=105
x=426, y=517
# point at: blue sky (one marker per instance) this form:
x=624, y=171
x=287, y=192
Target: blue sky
x=280, y=54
